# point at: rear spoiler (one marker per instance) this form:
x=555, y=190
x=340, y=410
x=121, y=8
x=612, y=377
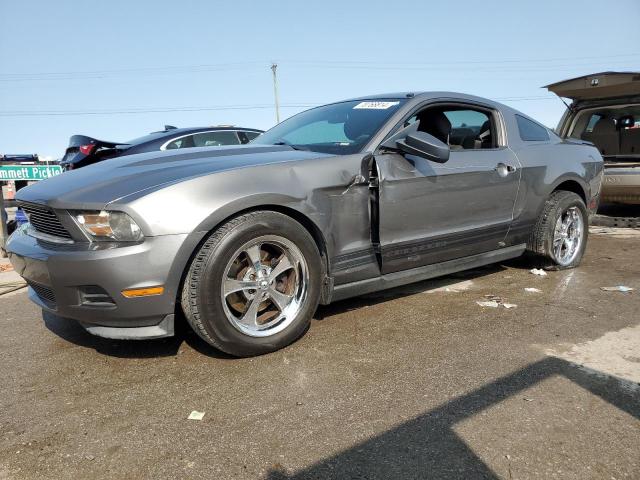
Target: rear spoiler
x=79, y=140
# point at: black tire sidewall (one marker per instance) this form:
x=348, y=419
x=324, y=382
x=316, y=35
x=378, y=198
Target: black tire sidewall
x=209, y=300
x=567, y=201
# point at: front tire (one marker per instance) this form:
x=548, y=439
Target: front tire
x=254, y=285
x=560, y=234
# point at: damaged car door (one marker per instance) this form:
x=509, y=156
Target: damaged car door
x=434, y=210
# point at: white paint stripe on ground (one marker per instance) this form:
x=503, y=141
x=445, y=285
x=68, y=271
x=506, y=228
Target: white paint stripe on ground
x=615, y=354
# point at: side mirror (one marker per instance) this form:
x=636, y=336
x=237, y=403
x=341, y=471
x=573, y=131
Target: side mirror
x=421, y=144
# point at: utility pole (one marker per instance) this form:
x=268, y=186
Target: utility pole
x=274, y=67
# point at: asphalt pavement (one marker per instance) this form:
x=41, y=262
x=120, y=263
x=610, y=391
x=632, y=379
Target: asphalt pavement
x=415, y=382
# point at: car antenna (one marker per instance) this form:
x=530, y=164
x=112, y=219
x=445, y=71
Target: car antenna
x=170, y=127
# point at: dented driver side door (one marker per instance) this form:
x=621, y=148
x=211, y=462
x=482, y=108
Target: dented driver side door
x=431, y=212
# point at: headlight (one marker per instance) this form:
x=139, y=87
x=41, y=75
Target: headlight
x=109, y=226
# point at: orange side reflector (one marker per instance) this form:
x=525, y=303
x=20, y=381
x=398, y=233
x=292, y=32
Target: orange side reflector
x=143, y=292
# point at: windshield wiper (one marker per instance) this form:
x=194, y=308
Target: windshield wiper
x=295, y=147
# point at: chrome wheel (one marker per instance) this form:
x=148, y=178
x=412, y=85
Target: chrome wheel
x=264, y=286
x=568, y=236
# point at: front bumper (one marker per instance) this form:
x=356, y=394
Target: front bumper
x=621, y=185
x=64, y=279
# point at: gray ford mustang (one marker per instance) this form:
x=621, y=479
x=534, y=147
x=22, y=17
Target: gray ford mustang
x=337, y=201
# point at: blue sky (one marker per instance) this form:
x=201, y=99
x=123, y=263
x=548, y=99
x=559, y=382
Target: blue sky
x=104, y=58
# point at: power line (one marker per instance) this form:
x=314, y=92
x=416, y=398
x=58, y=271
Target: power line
x=132, y=111
x=487, y=65
x=142, y=110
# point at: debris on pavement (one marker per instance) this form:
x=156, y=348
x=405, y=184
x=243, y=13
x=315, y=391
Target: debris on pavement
x=493, y=297
x=538, y=271
x=493, y=301
x=532, y=290
x=618, y=288
x=195, y=415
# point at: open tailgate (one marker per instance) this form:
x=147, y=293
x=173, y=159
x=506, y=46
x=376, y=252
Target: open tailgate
x=598, y=86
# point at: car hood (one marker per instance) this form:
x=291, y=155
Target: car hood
x=105, y=182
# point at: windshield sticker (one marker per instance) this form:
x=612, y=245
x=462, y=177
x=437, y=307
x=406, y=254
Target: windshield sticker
x=375, y=105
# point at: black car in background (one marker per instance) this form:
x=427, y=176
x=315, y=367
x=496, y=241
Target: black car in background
x=83, y=150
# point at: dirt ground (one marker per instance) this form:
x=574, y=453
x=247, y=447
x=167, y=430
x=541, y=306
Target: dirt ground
x=415, y=382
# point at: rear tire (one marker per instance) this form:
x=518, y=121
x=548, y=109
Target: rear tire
x=560, y=234
x=254, y=285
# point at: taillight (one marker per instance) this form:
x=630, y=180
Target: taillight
x=87, y=149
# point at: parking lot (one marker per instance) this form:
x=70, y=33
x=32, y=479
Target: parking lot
x=415, y=382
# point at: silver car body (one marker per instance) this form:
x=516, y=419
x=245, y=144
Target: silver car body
x=418, y=219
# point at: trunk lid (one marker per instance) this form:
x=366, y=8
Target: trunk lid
x=82, y=147
x=598, y=86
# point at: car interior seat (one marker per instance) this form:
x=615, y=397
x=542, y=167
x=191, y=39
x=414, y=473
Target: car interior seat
x=435, y=123
x=605, y=136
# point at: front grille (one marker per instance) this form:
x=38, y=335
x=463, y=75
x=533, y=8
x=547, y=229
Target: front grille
x=45, y=293
x=44, y=220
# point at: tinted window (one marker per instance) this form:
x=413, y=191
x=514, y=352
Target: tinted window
x=531, y=131
x=592, y=122
x=184, y=142
x=246, y=136
x=215, y=139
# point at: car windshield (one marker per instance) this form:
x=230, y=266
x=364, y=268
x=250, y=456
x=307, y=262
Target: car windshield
x=340, y=128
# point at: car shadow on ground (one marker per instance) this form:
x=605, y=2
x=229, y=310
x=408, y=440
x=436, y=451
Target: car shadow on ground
x=71, y=331
x=525, y=262
x=428, y=447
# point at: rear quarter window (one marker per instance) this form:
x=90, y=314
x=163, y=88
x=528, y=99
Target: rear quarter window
x=530, y=131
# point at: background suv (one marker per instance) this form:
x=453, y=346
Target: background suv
x=606, y=111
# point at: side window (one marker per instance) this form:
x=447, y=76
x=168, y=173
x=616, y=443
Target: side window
x=243, y=138
x=467, y=126
x=592, y=122
x=183, y=142
x=461, y=128
x=531, y=131
x=216, y=139
x=246, y=136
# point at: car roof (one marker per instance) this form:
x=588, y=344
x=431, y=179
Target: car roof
x=598, y=86
x=172, y=132
x=424, y=95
